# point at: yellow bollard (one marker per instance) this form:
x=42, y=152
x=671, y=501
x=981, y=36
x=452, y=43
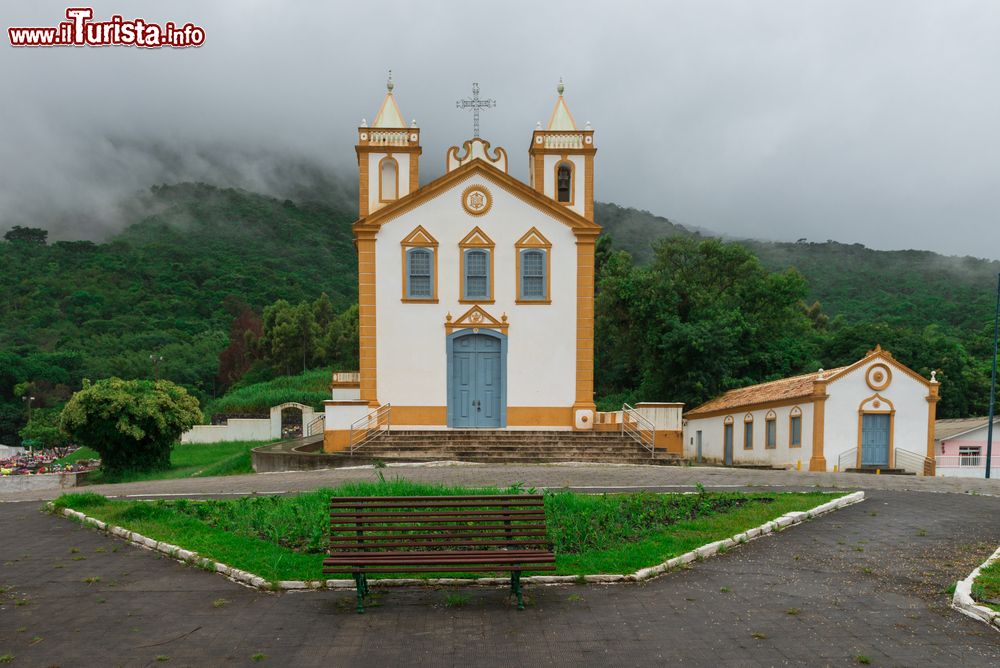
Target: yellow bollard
x=878, y=471
x=835, y=468
x=798, y=464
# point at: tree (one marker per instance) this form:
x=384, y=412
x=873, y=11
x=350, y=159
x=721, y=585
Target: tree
x=132, y=424
x=704, y=317
x=44, y=431
x=26, y=235
x=244, y=345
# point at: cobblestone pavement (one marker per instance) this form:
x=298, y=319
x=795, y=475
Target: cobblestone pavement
x=865, y=583
x=540, y=475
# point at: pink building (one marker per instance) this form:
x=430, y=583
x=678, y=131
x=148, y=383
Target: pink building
x=960, y=447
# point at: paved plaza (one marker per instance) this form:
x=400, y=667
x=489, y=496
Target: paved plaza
x=866, y=583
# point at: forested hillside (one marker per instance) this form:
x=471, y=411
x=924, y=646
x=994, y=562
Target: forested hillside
x=223, y=288
x=169, y=285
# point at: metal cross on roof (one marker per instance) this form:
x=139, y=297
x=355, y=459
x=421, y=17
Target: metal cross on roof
x=476, y=105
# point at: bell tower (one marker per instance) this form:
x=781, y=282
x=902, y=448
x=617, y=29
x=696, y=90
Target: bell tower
x=561, y=160
x=388, y=156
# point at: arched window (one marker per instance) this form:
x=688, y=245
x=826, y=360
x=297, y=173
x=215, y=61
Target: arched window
x=748, y=432
x=477, y=274
x=564, y=183
x=533, y=274
x=771, y=430
x=795, y=428
x=388, y=179
x=420, y=273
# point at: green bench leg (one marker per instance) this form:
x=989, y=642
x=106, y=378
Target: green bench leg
x=515, y=586
x=362, y=587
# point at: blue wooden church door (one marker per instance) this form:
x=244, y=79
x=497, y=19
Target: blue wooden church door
x=875, y=439
x=476, y=383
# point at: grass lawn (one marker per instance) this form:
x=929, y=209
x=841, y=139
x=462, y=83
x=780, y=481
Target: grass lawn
x=987, y=586
x=285, y=537
x=187, y=460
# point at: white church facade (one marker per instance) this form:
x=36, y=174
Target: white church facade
x=873, y=414
x=476, y=290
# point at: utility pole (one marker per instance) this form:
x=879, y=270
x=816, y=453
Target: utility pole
x=156, y=359
x=993, y=383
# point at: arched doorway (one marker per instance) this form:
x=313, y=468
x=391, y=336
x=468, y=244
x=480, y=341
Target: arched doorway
x=291, y=422
x=477, y=379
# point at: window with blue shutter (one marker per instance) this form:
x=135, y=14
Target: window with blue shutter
x=748, y=436
x=419, y=274
x=796, y=435
x=477, y=274
x=533, y=284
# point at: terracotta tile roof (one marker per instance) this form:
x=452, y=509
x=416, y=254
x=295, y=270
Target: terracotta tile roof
x=776, y=390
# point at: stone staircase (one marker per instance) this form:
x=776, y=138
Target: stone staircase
x=511, y=447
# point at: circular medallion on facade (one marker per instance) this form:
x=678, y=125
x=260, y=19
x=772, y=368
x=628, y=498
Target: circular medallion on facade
x=476, y=200
x=364, y=136
x=878, y=377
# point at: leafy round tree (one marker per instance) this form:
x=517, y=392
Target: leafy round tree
x=132, y=424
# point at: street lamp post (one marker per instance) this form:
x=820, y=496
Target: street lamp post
x=156, y=359
x=993, y=383
x=28, y=400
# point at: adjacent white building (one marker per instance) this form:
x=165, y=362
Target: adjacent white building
x=874, y=414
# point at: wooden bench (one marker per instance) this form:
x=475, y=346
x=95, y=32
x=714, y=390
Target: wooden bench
x=438, y=534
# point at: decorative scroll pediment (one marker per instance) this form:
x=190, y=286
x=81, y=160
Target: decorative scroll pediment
x=419, y=237
x=533, y=239
x=476, y=318
x=876, y=404
x=476, y=148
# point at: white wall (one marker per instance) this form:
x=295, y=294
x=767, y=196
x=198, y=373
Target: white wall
x=712, y=443
x=907, y=395
x=410, y=338
x=235, y=429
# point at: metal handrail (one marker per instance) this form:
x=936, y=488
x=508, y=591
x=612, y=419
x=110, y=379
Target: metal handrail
x=370, y=426
x=850, y=457
x=635, y=428
x=906, y=460
x=311, y=427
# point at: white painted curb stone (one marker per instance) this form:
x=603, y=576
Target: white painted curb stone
x=964, y=603
x=708, y=550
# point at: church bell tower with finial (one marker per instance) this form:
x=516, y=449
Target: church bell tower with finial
x=388, y=156
x=562, y=160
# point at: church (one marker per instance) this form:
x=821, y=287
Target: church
x=475, y=290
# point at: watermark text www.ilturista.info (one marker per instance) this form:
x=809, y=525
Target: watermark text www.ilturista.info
x=81, y=30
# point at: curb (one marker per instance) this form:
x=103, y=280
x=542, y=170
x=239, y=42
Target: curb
x=251, y=580
x=965, y=604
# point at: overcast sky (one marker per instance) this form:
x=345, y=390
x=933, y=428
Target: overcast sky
x=870, y=121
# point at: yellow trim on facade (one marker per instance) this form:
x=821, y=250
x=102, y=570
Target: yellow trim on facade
x=419, y=238
x=877, y=399
x=477, y=239
x=930, y=462
x=748, y=442
x=366, y=319
x=817, y=462
x=535, y=240
x=792, y=414
x=476, y=318
x=564, y=160
x=584, y=324
x=381, y=186
x=580, y=226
